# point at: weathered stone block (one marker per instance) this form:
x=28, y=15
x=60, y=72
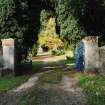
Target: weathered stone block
x=91, y=55
x=8, y=47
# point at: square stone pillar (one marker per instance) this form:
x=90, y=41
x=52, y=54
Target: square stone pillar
x=91, y=54
x=8, y=54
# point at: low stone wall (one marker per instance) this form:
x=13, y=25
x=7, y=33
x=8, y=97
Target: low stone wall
x=102, y=60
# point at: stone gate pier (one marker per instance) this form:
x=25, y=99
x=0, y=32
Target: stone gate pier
x=91, y=54
x=94, y=56
x=8, y=56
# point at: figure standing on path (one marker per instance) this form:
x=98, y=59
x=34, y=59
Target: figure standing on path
x=80, y=57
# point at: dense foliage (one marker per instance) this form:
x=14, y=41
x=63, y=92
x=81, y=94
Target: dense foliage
x=6, y=12
x=69, y=23
x=77, y=18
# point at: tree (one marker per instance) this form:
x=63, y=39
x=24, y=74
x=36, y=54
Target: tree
x=69, y=23
x=44, y=17
x=78, y=18
x=48, y=37
x=6, y=21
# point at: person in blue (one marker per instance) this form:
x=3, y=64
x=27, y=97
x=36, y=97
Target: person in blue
x=80, y=57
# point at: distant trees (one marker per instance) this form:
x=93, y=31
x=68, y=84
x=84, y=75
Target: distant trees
x=48, y=37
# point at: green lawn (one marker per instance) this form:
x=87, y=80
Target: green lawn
x=53, y=77
x=9, y=82
x=94, y=86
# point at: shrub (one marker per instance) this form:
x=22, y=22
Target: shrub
x=57, y=52
x=34, y=50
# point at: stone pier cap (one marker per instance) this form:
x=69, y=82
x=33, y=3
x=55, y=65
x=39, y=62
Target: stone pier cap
x=8, y=42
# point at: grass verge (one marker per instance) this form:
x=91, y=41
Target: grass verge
x=93, y=85
x=9, y=82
